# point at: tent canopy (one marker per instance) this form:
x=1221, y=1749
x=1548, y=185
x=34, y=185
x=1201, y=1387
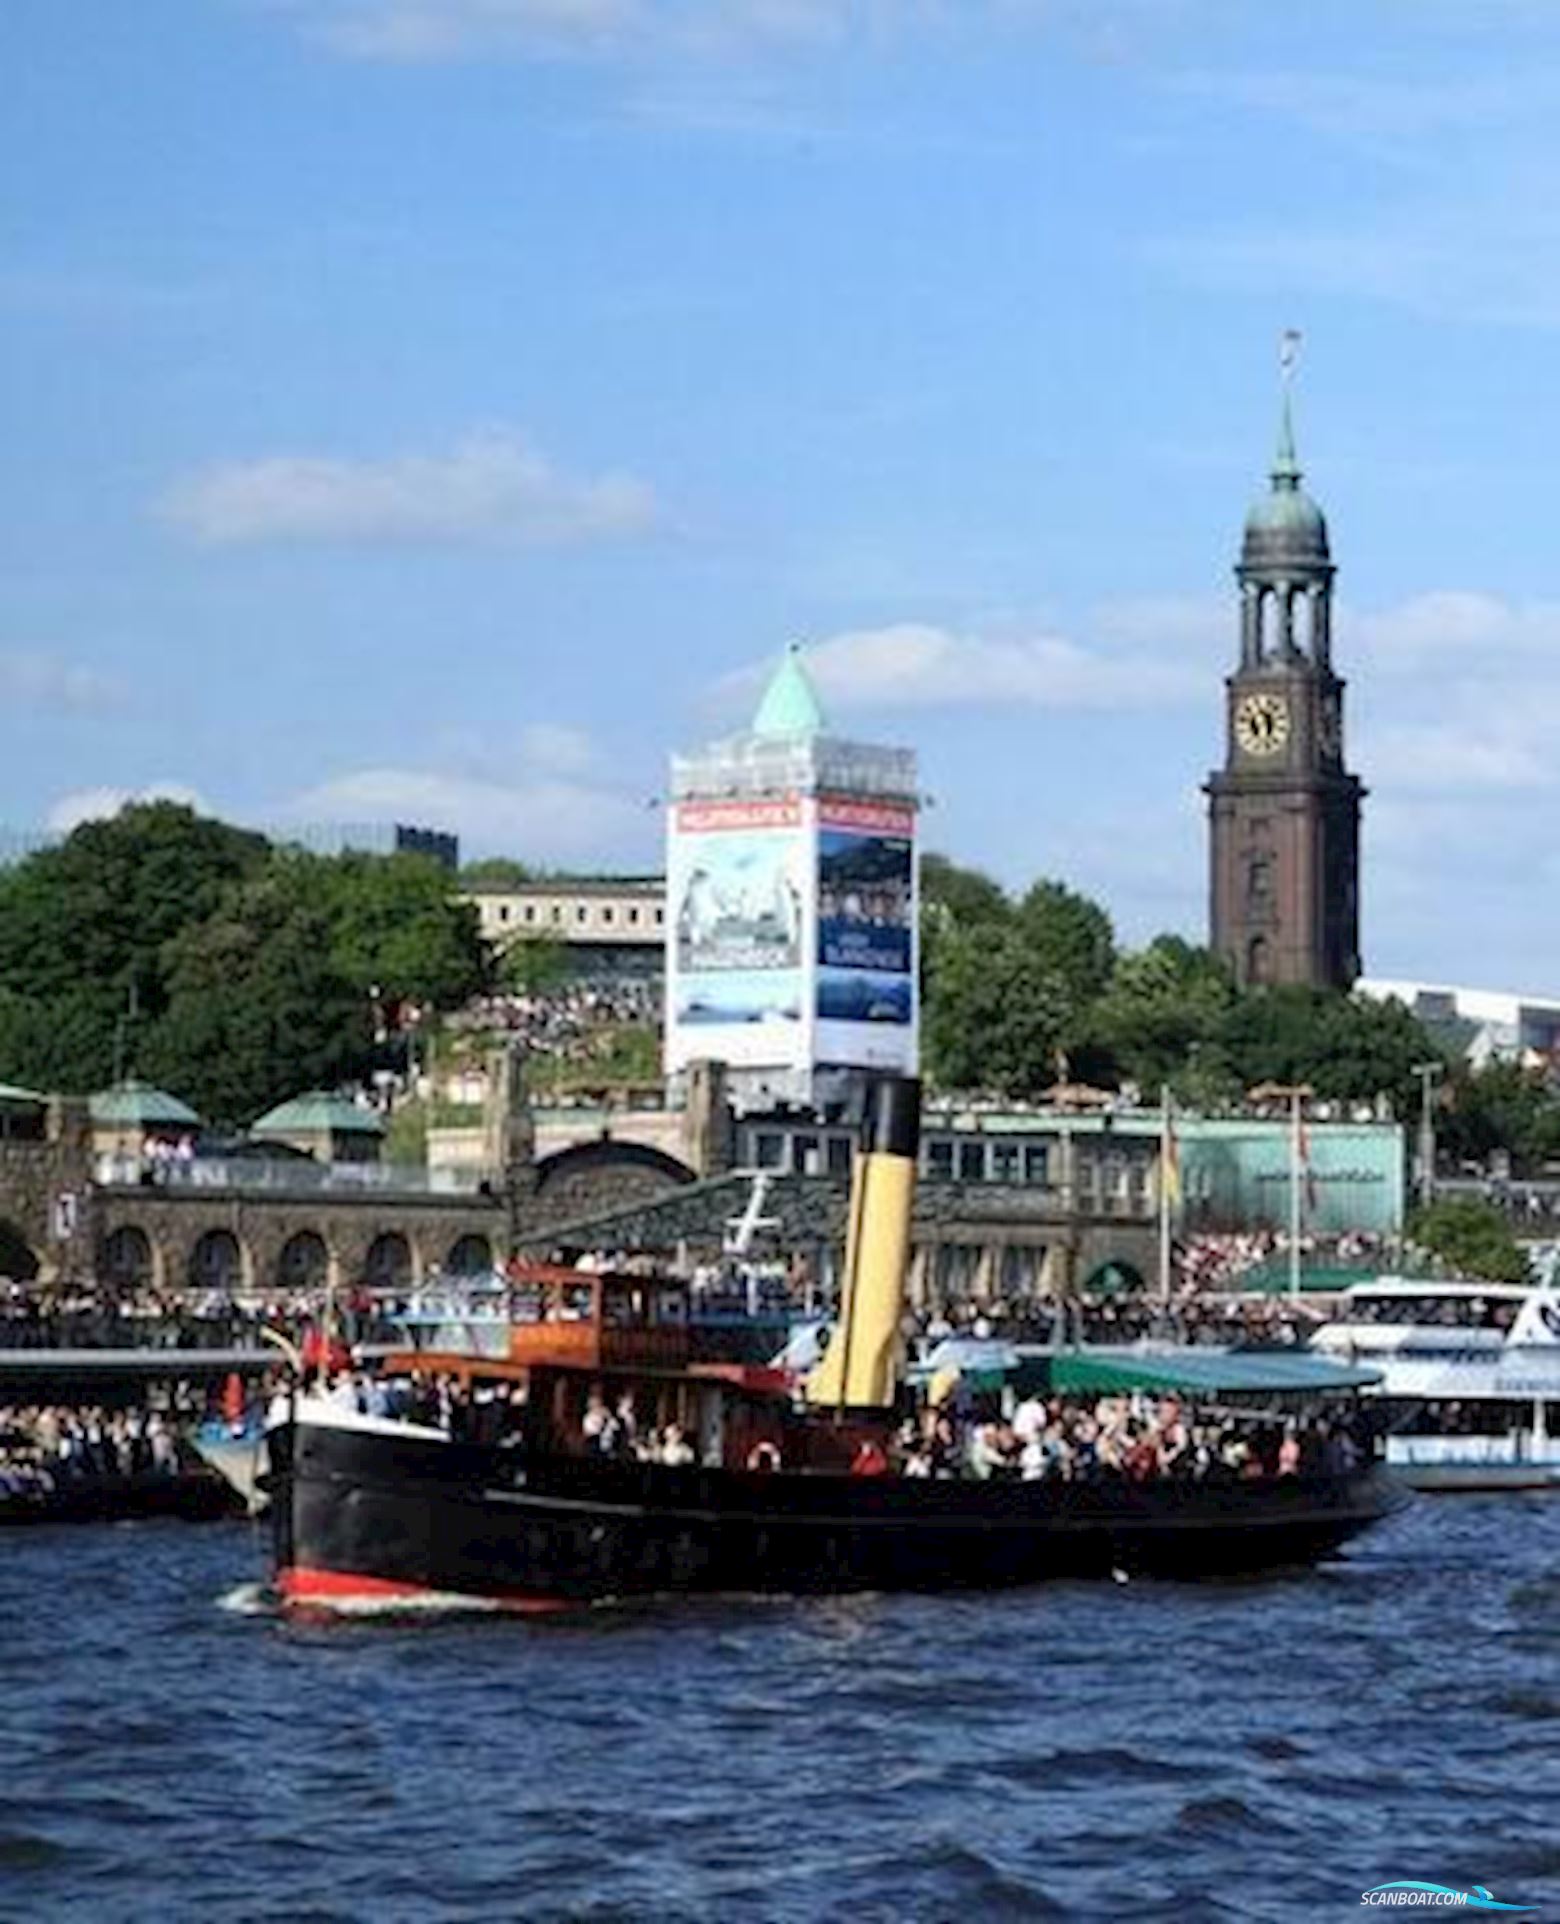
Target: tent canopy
x=1205, y=1372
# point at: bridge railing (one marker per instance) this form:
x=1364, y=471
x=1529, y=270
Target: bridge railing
x=290, y=1177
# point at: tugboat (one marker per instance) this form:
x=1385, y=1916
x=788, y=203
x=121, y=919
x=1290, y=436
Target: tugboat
x=494, y=1489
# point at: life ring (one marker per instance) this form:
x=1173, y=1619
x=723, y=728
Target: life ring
x=763, y=1456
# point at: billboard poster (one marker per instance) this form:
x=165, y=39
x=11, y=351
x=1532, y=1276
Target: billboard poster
x=737, y=883
x=865, y=988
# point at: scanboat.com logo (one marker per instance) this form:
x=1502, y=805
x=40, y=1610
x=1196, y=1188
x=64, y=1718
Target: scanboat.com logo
x=1438, y=1897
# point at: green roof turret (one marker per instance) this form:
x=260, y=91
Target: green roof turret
x=790, y=709
x=1285, y=528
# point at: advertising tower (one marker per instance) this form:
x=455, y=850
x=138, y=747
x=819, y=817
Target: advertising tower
x=791, y=945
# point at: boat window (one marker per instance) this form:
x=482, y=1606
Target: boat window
x=839, y=1155
x=804, y=1155
x=1430, y=1311
x=972, y=1162
x=671, y=1308
x=1036, y=1163
x=768, y=1149
x=939, y=1160
x=525, y=1303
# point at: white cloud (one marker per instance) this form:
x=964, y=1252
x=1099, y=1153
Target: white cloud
x=918, y=665
x=102, y=804
x=491, y=487
x=1453, y=757
x=1448, y=624
x=33, y=679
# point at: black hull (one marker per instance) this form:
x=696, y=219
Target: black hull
x=360, y=1517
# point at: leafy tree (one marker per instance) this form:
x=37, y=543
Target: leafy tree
x=496, y=872
x=258, y=1008
x=1501, y=1106
x=1471, y=1237
x=1070, y=936
x=995, y=1016
x=533, y=965
x=1160, y=1016
x=394, y=925
x=959, y=896
x=1347, y=1047
x=83, y=928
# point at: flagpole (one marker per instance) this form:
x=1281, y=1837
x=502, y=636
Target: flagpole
x=1294, y=1192
x=1164, y=1199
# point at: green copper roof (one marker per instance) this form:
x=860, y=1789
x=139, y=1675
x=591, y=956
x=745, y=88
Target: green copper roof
x=790, y=708
x=1286, y=521
x=318, y=1113
x=133, y=1101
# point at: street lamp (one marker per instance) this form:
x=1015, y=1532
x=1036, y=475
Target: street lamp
x=1296, y=1094
x=1429, y=1074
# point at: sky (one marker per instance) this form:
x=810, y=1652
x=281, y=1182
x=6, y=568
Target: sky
x=440, y=410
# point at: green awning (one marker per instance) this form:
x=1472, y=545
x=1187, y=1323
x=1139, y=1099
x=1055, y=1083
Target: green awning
x=1205, y=1372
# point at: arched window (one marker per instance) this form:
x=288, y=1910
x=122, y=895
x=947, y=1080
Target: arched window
x=216, y=1261
x=126, y=1257
x=388, y=1264
x=18, y=1263
x=1259, y=968
x=303, y=1262
x=470, y=1256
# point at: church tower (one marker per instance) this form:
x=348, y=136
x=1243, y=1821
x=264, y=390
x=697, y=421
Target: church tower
x=1284, y=812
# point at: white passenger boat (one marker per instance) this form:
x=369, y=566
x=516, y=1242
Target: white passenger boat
x=1470, y=1378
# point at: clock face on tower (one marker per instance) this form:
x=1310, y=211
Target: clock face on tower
x=1262, y=724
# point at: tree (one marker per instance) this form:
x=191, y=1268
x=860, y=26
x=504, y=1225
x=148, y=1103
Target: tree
x=1349, y=1048
x=496, y=872
x=533, y=964
x=1472, y=1238
x=1501, y=1107
x=84, y=927
x=258, y=1009
x=1070, y=937
x=961, y=896
x=394, y=925
x=1159, y=1020
x=994, y=1016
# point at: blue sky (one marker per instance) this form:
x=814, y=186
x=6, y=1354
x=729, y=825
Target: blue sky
x=439, y=409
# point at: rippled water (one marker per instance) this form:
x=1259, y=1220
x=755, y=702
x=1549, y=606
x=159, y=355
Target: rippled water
x=1260, y=1751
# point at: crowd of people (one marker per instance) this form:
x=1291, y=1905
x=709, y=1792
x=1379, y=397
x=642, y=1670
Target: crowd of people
x=573, y=1022
x=1137, y=1437
x=99, y=1315
x=1225, y=1322
x=47, y=1446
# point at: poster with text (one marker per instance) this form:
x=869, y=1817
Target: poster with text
x=865, y=991
x=737, y=876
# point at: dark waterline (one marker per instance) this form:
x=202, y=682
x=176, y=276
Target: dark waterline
x=1256, y=1751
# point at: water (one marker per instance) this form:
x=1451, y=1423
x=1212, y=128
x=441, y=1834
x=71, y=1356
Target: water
x=1260, y=1751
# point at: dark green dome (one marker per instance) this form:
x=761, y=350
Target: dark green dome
x=1285, y=527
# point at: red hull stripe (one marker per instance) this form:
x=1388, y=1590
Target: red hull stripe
x=303, y=1583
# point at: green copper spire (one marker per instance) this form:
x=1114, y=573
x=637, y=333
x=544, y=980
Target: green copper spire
x=790, y=708
x=1286, y=464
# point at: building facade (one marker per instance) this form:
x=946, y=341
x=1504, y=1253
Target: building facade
x=605, y=925
x=1284, y=810
x=792, y=893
